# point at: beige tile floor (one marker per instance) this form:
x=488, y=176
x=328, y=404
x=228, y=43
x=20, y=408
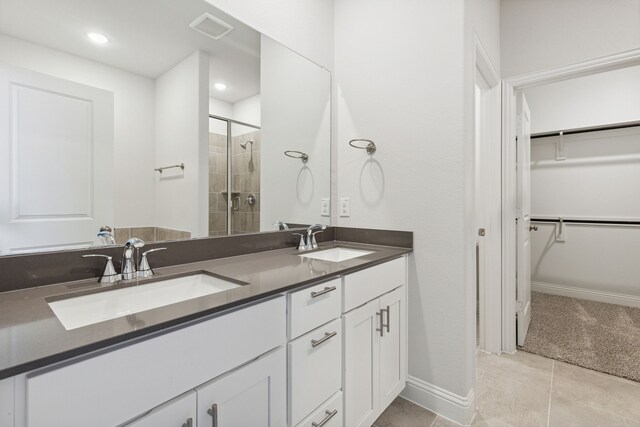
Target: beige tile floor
x=525, y=390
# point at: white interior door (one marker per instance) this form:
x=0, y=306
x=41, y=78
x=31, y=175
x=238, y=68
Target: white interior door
x=56, y=161
x=523, y=218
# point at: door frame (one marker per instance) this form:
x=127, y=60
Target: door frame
x=490, y=316
x=510, y=86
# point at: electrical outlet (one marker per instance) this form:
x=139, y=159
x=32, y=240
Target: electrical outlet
x=344, y=207
x=324, y=207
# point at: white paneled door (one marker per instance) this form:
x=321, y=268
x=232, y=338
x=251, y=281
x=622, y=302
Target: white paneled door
x=56, y=161
x=523, y=218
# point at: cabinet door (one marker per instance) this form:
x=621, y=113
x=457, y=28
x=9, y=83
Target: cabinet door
x=179, y=412
x=361, y=348
x=254, y=395
x=392, y=346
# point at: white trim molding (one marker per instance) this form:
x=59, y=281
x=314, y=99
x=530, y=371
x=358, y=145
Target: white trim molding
x=460, y=409
x=588, y=294
x=626, y=59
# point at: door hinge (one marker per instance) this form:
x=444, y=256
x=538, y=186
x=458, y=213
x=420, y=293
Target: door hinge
x=518, y=306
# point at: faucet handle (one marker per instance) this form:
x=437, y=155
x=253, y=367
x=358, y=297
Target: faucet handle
x=144, y=269
x=314, y=244
x=301, y=244
x=109, y=274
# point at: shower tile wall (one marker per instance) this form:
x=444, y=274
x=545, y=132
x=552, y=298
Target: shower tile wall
x=217, y=184
x=245, y=166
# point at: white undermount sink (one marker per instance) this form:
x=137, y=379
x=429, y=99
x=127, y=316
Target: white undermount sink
x=98, y=307
x=336, y=254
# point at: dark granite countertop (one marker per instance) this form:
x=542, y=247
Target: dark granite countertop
x=31, y=336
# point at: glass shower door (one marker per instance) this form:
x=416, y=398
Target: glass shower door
x=245, y=178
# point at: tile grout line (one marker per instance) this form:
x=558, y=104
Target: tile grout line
x=553, y=365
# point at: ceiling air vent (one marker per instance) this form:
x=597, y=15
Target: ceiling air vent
x=211, y=26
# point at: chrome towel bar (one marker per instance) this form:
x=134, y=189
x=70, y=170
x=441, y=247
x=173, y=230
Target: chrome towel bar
x=181, y=166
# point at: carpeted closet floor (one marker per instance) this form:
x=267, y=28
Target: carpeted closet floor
x=595, y=335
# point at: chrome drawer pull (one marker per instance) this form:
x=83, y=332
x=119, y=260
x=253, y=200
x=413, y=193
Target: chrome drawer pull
x=330, y=414
x=189, y=423
x=213, y=411
x=388, y=318
x=381, y=328
x=322, y=292
x=327, y=336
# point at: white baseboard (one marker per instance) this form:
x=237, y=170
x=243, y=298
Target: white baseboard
x=459, y=409
x=588, y=294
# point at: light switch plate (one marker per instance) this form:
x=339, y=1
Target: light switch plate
x=324, y=206
x=344, y=207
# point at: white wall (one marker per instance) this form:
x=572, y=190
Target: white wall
x=248, y=110
x=599, y=179
x=304, y=26
x=295, y=116
x=412, y=93
x=222, y=109
x=543, y=34
x=133, y=121
x=597, y=99
x=182, y=127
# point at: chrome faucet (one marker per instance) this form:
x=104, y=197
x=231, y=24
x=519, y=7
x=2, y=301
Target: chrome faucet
x=129, y=258
x=106, y=235
x=279, y=225
x=311, y=236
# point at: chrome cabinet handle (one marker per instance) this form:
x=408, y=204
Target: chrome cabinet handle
x=213, y=411
x=388, y=318
x=189, y=423
x=533, y=228
x=330, y=414
x=326, y=290
x=381, y=328
x=327, y=336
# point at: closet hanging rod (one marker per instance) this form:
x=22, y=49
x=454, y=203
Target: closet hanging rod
x=588, y=221
x=587, y=129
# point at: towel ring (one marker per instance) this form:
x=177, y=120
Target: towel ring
x=297, y=155
x=370, y=147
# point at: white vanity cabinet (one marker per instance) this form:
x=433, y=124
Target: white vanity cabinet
x=122, y=383
x=358, y=364
x=375, y=334
x=314, y=350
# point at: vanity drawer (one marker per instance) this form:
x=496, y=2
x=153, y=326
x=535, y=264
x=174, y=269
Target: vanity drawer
x=363, y=286
x=114, y=386
x=331, y=411
x=314, y=306
x=315, y=369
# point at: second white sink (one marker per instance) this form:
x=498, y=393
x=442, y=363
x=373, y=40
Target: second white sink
x=336, y=254
x=98, y=307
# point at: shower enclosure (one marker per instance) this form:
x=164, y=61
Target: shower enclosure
x=234, y=177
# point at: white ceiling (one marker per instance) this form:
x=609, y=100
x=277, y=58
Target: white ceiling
x=147, y=37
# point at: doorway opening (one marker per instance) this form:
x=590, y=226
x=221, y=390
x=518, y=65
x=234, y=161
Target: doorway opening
x=570, y=249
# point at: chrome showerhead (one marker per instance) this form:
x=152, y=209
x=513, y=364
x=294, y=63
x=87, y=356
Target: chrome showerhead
x=244, y=144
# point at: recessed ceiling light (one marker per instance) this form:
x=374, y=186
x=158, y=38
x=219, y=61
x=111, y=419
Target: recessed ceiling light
x=220, y=86
x=98, y=38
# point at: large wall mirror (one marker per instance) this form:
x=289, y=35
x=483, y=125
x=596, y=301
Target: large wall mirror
x=160, y=119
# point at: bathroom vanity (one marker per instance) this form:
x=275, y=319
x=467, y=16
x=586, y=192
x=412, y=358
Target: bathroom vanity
x=314, y=338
